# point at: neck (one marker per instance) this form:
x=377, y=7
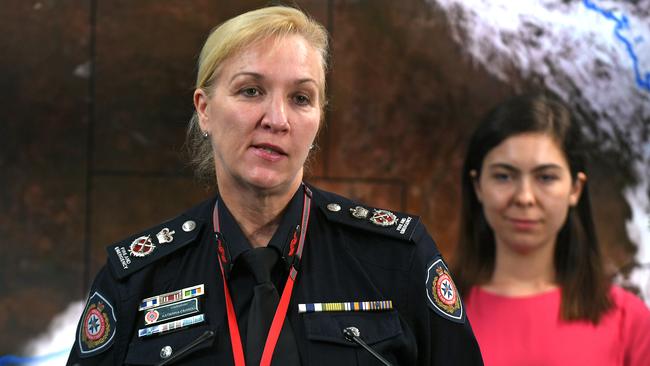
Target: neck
x=257, y=212
x=522, y=273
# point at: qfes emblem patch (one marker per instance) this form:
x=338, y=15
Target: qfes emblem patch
x=97, y=328
x=442, y=293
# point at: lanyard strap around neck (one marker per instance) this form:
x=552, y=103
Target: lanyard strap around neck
x=283, y=306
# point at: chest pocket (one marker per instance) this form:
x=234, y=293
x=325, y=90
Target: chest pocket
x=167, y=347
x=382, y=331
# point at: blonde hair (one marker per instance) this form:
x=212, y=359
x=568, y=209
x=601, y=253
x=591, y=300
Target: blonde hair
x=231, y=37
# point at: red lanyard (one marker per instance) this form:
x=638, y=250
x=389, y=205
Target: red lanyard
x=281, y=311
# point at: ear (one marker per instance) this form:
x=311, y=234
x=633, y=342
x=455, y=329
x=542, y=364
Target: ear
x=477, y=185
x=201, y=100
x=576, y=188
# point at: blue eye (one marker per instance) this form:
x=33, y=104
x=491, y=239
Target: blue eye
x=250, y=92
x=302, y=99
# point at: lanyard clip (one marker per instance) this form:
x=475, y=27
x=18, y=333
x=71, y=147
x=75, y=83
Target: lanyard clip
x=223, y=253
x=292, y=258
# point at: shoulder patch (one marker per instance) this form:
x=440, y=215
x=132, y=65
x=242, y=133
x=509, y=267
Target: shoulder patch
x=442, y=293
x=394, y=224
x=142, y=249
x=97, y=328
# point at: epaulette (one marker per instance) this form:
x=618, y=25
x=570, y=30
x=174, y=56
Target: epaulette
x=384, y=222
x=140, y=250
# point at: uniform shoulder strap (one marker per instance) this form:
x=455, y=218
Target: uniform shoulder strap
x=344, y=211
x=140, y=250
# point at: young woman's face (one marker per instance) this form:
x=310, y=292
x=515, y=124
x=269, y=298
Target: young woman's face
x=526, y=189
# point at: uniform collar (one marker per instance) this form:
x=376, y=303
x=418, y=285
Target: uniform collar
x=237, y=243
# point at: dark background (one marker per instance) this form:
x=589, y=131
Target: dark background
x=95, y=97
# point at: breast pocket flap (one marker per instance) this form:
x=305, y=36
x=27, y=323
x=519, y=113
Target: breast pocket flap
x=373, y=327
x=154, y=349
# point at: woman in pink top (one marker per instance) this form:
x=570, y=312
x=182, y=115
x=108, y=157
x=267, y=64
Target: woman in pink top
x=528, y=261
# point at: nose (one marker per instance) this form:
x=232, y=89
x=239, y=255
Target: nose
x=275, y=115
x=524, y=195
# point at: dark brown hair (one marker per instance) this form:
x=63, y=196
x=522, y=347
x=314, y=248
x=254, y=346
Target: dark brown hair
x=577, y=259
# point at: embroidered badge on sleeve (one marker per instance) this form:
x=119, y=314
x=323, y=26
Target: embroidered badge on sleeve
x=443, y=296
x=97, y=328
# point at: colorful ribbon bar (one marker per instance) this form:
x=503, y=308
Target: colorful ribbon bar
x=346, y=306
x=166, y=327
x=170, y=297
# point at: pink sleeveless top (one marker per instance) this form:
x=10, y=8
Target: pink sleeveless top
x=528, y=331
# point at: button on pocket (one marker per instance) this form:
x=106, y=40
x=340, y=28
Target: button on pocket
x=328, y=345
x=155, y=349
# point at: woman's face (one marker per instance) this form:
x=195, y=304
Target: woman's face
x=263, y=113
x=526, y=189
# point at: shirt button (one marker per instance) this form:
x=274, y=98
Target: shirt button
x=165, y=352
x=189, y=226
x=334, y=207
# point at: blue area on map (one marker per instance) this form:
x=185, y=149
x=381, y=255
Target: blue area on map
x=622, y=23
x=17, y=360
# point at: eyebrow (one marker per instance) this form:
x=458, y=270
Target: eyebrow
x=514, y=169
x=258, y=76
x=247, y=73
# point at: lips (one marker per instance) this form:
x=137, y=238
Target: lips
x=268, y=152
x=524, y=224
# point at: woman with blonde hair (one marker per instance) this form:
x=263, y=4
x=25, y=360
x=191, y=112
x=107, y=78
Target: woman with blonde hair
x=271, y=270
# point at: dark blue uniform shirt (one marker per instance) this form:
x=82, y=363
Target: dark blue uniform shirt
x=345, y=259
